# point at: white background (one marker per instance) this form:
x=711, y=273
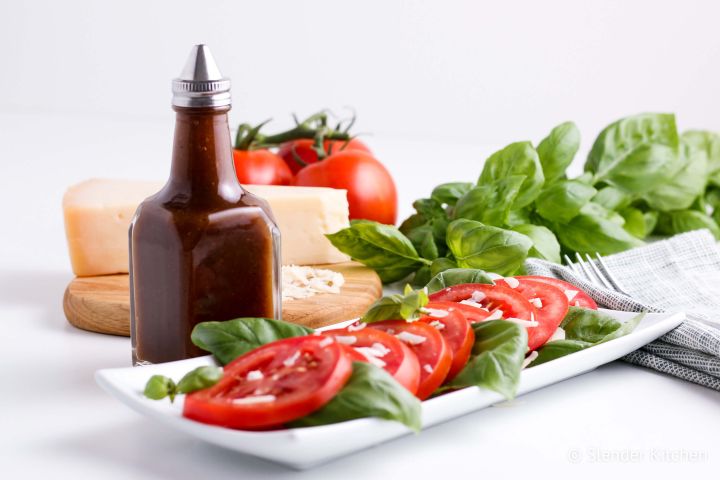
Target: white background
x=84, y=92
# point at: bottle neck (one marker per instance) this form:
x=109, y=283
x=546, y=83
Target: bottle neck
x=202, y=160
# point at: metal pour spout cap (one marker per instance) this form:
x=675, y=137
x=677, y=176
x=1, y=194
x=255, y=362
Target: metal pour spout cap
x=201, y=84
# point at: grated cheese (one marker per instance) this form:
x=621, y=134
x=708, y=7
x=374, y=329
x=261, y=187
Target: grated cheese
x=356, y=326
x=496, y=315
x=523, y=323
x=254, y=375
x=325, y=342
x=290, y=361
x=346, y=339
x=427, y=368
x=473, y=304
x=530, y=358
x=304, y=282
x=478, y=296
x=495, y=276
x=254, y=399
x=437, y=324
x=435, y=312
x=410, y=338
x=570, y=294
x=536, y=302
x=512, y=282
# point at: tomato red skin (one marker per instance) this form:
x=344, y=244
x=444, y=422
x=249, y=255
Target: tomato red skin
x=303, y=149
x=406, y=368
x=261, y=167
x=458, y=334
x=550, y=316
x=435, y=347
x=212, y=406
x=512, y=303
x=472, y=314
x=371, y=191
x=582, y=299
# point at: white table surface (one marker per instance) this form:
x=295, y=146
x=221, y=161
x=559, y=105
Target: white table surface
x=55, y=422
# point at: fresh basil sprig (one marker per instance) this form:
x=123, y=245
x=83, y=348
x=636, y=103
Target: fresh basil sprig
x=370, y=392
x=160, y=386
x=408, y=306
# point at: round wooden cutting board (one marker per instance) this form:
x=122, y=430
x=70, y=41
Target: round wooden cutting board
x=102, y=304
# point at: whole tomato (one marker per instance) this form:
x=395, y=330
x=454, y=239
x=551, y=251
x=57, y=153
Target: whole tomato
x=261, y=167
x=303, y=149
x=370, y=188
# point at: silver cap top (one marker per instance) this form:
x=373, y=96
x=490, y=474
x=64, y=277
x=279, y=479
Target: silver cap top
x=201, y=84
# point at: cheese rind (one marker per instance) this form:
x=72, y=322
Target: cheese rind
x=98, y=214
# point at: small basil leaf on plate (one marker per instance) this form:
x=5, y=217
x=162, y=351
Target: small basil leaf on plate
x=562, y=201
x=230, y=339
x=588, y=325
x=490, y=203
x=159, y=387
x=442, y=264
x=496, y=360
x=545, y=244
x=370, y=392
x=475, y=245
x=518, y=158
x=381, y=247
x=557, y=150
x=557, y=349
x=200, y=378
x=457, y=276
x=449, y=193
x=395, y=307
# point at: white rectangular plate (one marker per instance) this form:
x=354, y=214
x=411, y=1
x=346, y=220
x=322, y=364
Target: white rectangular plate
x=304, y=447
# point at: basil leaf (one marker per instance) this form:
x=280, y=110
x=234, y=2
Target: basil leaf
x=230, y=339
x=496, y=359
x=545, y=244
x=562, y=201
x=636, y=153
x=588, y=325
x=685, y=186
x=200, y=378
x=709, y=143
x=612, y=198
x=585, y=328
x=396, y=306
x=428, y=208
x=423, y=239
x=590, y=233
x=381, y=247
x=490, y=203
x=557, y=150
x=457, y=276
x=516, y=159
x=518, y=217
x=449, y=193
x=493, y=249
x=440, y=265
x=651, y=219
x=422, y=276
x=635, y=223
x=671, y=223
x=557, y=349
x=159, y=387
x=370, y=392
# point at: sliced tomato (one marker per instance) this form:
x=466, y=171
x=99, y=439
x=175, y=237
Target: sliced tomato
x=472, y=313
x=383, y=350
x=272, y=385
x=575, y=296
x=550, y=302
x=491, y=297
x=353, y=354
x=432, y=351
x=457, y=331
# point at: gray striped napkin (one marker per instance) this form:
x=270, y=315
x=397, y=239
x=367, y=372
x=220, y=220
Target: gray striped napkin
x=678, y=274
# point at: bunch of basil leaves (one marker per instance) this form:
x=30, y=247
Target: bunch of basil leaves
x=641, y=177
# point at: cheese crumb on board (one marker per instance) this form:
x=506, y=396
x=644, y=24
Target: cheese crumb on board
x=304, y=282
